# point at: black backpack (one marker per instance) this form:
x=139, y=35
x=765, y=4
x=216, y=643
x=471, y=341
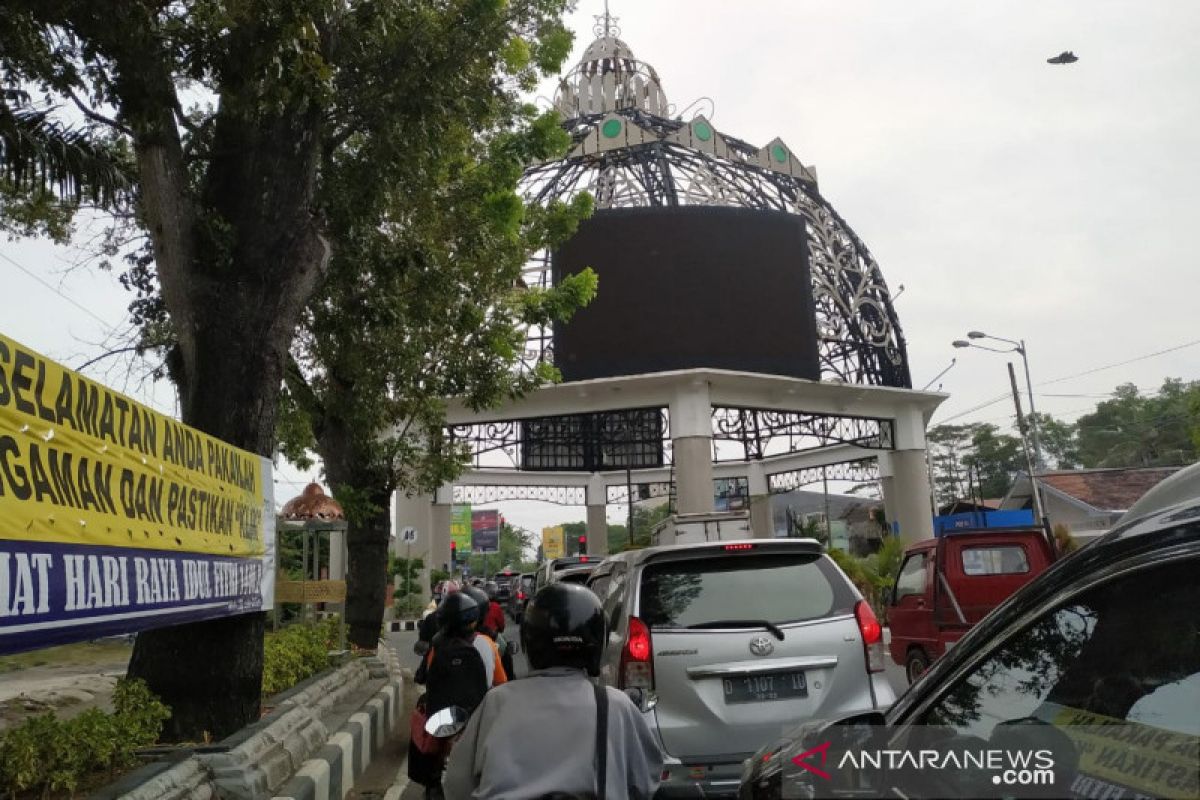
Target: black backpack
x=455, y=677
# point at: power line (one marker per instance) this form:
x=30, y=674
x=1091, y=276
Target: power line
x=109, y=326
x=1091, y=371
x=1183, y=346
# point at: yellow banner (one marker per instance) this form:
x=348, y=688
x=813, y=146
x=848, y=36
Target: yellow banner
x=82, y=464
x=1159, y=762
x=310, y=591
x=553, y=544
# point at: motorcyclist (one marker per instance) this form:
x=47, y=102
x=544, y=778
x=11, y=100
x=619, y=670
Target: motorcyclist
x=454, y=675
x=429, y=624
x=537, y=737
x=495, y=620
x=494, y=616
x=488, y=642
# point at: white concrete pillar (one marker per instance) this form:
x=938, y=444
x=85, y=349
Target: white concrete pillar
x=440, y=527
x=597, y=519
x=887, y=485
x=910, y=478
x=415, y=512
x=762, y=522
x=337, y=555
x=691, y=445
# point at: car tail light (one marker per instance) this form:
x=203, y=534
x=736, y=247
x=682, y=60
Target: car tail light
x=872, y=635
x=744, y=546
x=520, y=595
x=637, y=666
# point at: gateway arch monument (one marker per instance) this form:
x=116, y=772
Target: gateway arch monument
x=742, y=332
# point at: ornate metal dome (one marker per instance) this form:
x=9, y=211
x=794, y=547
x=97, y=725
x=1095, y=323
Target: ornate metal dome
x=630, y=149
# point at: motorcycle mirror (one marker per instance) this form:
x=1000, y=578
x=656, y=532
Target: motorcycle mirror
x=446, y=722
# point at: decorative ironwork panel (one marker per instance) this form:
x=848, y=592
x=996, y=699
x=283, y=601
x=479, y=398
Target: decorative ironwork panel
x=861, y=471
x=594, y=442
x=559, y=495
x=627, y=439
x=743, y=434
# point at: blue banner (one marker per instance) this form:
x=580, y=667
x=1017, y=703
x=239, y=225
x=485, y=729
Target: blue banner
x=53, y=593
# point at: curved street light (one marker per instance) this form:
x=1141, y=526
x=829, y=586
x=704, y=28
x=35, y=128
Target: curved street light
x=1018, y=346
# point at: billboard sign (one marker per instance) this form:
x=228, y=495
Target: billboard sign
x=115, y=518
x=553, y=542
x=460, y=529
x=485, y=531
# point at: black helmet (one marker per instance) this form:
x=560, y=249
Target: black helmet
x=564, y=626
x=478, y=595
x=457, y=613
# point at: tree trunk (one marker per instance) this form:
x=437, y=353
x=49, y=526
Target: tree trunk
x=353, y=472
x=233, y=398
x=366, y=585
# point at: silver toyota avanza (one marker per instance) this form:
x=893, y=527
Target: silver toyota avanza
x=731, y=644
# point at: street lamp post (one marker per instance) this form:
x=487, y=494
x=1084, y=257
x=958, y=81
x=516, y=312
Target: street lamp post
x=1035, y=463
x=1018, y=347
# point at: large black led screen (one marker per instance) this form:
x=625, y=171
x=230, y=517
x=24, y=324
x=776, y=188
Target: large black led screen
x=687, y=287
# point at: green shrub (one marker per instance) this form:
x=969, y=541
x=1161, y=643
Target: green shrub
x=875, y=574
x=408, y=606
x=46, y=754
x=297, y=652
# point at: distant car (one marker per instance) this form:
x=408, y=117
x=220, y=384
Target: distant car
x=1096, y=661
x=946, y=585
x=503, y=586
x=729, y=641
x=548, y=572
x=520, y=593
x=577, y=574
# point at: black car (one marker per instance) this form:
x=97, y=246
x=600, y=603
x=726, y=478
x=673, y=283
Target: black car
x=520, y=592
x=1090, y=675
x=504, y=586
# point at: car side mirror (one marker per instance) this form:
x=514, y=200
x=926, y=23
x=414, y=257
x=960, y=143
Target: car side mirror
x=816, y=748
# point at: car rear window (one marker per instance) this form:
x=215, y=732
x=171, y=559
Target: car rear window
x=580, y=577
x=778, y=588
x=1002, y=560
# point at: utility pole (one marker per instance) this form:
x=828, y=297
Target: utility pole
x=1038, y=510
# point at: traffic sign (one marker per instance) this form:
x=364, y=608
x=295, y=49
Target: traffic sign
x=408, y=535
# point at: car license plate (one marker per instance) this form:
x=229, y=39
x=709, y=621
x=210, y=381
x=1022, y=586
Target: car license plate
x=757, y=688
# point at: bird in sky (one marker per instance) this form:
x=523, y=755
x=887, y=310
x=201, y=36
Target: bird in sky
x=1065, y=57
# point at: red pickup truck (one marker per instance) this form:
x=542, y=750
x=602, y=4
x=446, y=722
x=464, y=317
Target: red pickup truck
x=946, y=585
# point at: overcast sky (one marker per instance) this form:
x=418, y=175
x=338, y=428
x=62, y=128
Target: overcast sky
x=1051, y=203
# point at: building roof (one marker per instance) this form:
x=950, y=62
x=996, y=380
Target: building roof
x=1106, y=489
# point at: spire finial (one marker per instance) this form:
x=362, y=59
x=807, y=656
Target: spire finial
x=606, y=24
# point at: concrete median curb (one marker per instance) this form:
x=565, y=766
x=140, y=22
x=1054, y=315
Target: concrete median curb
x=289, y=752
x=331, y=773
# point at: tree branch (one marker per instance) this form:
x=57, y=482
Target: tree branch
x=306, y=398
x=96, y=116
x=109, y=354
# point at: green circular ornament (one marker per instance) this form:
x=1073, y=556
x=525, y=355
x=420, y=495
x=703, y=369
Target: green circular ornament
x=779, y=154
x=612, y=128
x=703, y=131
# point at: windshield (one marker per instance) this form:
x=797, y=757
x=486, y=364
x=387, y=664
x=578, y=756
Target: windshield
x=774, y=588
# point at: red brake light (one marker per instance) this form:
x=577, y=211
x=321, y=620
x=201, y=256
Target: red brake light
x=520, y=595
x=637, y=669
x=738, y=547
x=639, y=640
x=872, y=635
x=583, y=559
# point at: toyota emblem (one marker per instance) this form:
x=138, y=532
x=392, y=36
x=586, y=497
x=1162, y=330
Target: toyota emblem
x=761, y=646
